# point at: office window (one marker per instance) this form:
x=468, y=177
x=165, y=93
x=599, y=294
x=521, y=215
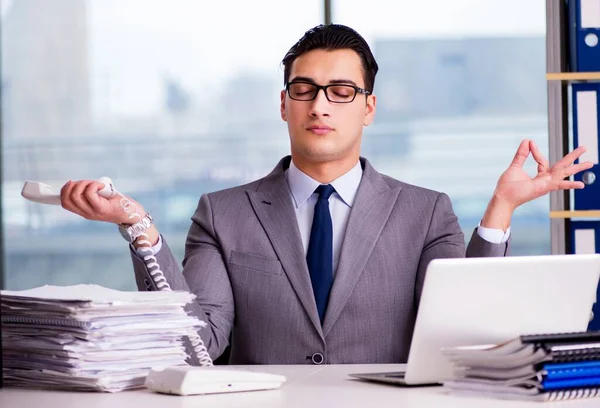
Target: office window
x=461, y=83
x=169, y=98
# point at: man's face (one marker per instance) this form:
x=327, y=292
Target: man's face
x=320, y=130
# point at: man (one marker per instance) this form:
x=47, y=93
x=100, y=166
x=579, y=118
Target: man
x=323, y=260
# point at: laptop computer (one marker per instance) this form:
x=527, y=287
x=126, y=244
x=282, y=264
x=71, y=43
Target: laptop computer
x=470, y=301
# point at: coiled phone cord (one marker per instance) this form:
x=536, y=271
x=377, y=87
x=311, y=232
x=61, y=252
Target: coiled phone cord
x=159, y=278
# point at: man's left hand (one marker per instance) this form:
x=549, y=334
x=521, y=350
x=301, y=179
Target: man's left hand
x=515, y=187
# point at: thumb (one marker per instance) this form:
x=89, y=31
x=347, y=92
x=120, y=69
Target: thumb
x=521, y=154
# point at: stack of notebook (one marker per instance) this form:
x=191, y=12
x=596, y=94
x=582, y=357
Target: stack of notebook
x=538, y=367
x=90, y=338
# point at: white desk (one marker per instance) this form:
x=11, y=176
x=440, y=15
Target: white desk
x=306, y=386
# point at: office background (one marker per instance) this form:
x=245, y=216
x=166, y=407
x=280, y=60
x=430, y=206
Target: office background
x=172, y=99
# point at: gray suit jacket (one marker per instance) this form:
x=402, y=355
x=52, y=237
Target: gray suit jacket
x=245, y=261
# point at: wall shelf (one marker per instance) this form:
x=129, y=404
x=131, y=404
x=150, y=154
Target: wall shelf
x=573, y=76
x=575, y=214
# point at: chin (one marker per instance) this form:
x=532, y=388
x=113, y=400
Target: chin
x=325, y=148
x=321, y=153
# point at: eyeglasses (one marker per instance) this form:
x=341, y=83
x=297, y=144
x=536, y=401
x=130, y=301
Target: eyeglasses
x=336, y=93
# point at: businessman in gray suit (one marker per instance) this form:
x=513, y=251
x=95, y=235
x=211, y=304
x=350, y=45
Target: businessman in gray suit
x=323, y=260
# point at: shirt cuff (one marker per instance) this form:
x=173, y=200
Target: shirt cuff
x=155, y=248
x=493, y=235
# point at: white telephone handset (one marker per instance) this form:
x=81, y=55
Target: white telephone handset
x=45, y=194
x=178, y=380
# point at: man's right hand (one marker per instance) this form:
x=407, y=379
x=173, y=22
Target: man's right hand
x=81, y=197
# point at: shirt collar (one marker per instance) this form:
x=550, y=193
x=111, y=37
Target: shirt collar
x=303, y=186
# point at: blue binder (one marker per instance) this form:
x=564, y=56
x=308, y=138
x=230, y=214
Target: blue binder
x=585, y=238
x=548, y=385
x=575, y=369
x=586, y=132
x=584, y=35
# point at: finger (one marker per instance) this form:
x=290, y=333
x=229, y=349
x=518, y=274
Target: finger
x=66, y=197
x=96, y=202
x=80, y=201
x=570, y=158
x=521, y=155
x=576, y=168
x=539, y=157
x=541, y=169
x=568, y=185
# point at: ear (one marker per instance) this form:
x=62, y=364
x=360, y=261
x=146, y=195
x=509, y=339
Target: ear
x=370, y=109
x=282, y=106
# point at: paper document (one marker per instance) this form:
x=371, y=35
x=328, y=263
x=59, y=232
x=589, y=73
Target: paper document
x=91, y=338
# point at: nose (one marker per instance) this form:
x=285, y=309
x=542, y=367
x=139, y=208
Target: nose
x=320, y=106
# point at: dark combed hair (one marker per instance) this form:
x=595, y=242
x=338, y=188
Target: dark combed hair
x=333, y=37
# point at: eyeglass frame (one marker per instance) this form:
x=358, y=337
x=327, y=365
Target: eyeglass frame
x=357, y=90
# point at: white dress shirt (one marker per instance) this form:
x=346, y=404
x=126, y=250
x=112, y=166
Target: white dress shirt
x=302, y=188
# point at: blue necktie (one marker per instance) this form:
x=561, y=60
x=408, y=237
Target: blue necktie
x=320, y=250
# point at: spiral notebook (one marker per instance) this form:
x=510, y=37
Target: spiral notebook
x=544, y=367
x=556, y=347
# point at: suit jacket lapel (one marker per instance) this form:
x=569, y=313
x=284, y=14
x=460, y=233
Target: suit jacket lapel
x=274, y=208
x=371, y=209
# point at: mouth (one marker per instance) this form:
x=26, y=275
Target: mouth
x=319, y=130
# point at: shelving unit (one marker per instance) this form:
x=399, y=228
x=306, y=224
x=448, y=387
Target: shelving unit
x=558, y=81
x=565, y=223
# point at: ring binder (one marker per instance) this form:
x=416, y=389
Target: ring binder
x=586, y=132
x=584, y=33
x=46, y=321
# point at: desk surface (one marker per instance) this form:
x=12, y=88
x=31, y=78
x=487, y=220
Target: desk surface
x=307, y=386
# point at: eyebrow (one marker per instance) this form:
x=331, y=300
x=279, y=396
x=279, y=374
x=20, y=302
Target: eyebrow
x=332, y=82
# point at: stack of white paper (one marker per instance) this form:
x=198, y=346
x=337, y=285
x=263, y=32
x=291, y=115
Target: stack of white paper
x=87, y=337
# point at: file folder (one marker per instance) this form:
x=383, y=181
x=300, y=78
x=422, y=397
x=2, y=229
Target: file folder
x=584, y=35
x=586, y=104
x=585, y=239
